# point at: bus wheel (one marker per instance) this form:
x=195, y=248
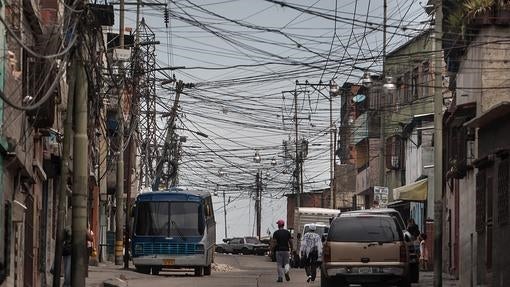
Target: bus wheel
x=207, y=270
x=143, y=269
x=199, y=271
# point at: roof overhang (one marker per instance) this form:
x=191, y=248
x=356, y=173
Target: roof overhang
x=495, y=113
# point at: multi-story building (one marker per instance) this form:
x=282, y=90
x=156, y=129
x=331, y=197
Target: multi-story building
x=476, y=162
x=29, y=144
x=358, y=142
x=407, y=128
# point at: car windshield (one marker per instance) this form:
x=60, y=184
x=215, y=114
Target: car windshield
x=321, y=230
x=180, y=219
x=252, y=240
x=364, y=229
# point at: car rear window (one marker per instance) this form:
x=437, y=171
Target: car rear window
x=364, y=229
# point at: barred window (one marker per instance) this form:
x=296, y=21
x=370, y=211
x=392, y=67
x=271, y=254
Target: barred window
x=480, y=201
x=503, y=198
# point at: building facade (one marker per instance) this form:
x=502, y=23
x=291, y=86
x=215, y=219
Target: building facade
x=476, y=170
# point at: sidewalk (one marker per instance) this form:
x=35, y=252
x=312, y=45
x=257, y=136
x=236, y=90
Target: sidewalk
x=427, y=279
x=107, y=271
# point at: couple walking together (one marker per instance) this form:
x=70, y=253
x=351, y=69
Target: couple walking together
x=311, y=251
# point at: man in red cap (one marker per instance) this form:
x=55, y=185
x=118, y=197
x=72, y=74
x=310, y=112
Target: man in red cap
x=283, y=248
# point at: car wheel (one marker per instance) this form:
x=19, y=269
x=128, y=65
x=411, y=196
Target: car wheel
x=405, y=282
x=220, y=250
x=156, y=270
x=245, y=251
x=207, y=270
x=325, y=281
x=143, y=269
x=199, y=271
x=414, y=272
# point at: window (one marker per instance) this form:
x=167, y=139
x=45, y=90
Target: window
x=503, y=197
x=425, y=82
x=394, y=153
x=169, y=219
x=414, y=84
x=480, y=201
x=406, y=88
x=364, y=229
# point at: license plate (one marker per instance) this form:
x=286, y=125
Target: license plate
x=168, y=262
x=364, y=270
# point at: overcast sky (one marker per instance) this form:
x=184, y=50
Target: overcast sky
x=244, y=58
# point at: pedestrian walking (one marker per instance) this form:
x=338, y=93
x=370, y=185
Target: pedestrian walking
x=283, y=248
x=90, y=246
x=424, y=253
x=311, y=251
x=413, y=229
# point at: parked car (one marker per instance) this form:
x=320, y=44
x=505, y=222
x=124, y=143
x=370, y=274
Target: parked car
x=244, y=245
x=414, y=267
x=365, y=249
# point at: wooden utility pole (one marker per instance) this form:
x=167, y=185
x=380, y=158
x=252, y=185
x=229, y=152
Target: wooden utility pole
x=119, y=192
x=64, y=174
x=80, y=177
x=438, y=145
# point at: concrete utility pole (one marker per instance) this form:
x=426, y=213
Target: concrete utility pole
x=438, y=145
x=331, y=156
x=382, y=165
x=297, y=172
x=119, y=223
x=258, y=204
x=64, y=174
x=80, y=178
x=225, y=214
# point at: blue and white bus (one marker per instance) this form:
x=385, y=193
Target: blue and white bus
x=173, y=229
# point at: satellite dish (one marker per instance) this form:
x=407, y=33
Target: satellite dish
x=359, y=98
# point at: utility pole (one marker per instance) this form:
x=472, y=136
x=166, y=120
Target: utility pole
x=297, y=172
x=331, y=156
x=258, y=204
x=131, y=144
x=382, y=165
x=80, y=177
x=119, y=192
x=225, y=213
x=438, y=145
x=64, y=173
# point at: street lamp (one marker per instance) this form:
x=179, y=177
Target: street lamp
x=389, y=87
x=257, y=158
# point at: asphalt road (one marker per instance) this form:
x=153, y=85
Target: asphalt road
x=248, y=270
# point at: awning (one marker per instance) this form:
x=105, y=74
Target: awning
x=416, y=191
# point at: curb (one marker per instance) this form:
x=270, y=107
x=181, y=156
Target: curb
x=115, y=283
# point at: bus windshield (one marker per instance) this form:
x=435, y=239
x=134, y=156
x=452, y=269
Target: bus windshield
x=179, y=219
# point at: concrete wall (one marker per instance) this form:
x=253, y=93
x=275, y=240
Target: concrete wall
x=345, y=185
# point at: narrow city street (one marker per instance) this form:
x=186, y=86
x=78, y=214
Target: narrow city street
x=238, y=271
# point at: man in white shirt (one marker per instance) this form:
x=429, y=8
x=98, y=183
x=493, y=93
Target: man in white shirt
x=311, y=251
